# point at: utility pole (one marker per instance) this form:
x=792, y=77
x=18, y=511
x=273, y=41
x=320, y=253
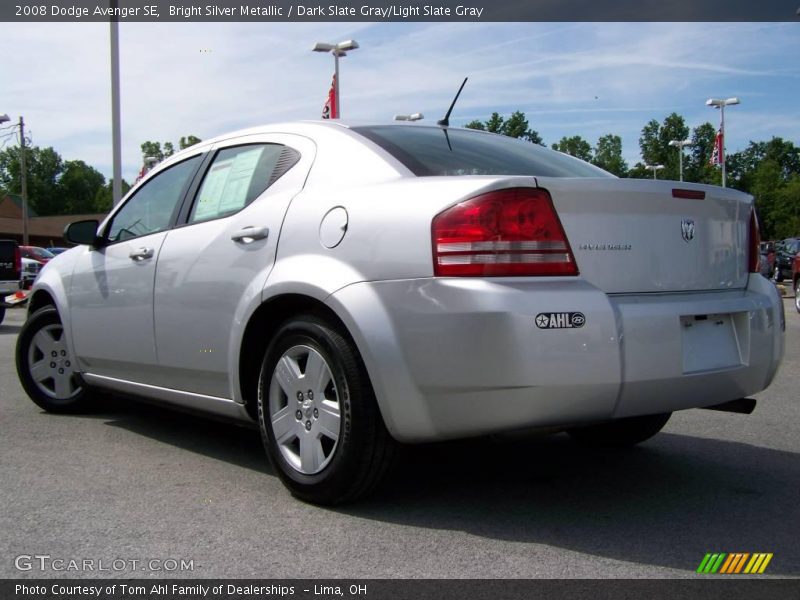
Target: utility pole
x=116, y=135
x=24, y=184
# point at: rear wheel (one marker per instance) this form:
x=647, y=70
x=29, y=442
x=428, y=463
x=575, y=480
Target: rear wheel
x=319, y=420
x=45, y=367
x=622, y=432
x=2, y=313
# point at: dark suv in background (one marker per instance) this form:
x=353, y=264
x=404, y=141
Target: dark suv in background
x=784, y=257
x=10, y=272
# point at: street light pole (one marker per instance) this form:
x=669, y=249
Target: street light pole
x=721, y=104
x=679, y=144
x=654, y=169
x=116, y=135
x=337, y=50
x=336, y=84
x=23, y=170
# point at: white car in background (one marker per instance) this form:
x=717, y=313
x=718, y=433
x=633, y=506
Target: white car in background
x=348, y=287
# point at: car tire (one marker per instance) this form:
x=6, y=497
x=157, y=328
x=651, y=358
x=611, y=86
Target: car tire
x=622, y=432
x=797, y=295
x=777, y=274
x=2, y=314
x=46, y=368
x=329, y=446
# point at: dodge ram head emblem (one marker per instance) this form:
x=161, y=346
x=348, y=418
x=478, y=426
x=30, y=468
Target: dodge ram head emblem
x=687, y=230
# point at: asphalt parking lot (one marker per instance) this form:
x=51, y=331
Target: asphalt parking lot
x=138, y=482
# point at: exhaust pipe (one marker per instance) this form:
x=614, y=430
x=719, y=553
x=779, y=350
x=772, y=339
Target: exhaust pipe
x=742, y=406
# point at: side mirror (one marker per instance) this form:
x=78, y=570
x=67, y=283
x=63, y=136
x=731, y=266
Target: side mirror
x=82, y=232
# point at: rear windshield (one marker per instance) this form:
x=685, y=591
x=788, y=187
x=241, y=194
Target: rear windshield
x=437, y=151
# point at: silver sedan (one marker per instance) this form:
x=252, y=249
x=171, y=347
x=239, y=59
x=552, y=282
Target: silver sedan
x=351, y=286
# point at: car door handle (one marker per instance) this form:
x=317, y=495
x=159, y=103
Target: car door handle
x=250, y=234
x=141, y=254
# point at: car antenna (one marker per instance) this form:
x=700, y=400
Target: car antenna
x=446, y=121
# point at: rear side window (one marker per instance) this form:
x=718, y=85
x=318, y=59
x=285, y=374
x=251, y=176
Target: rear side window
x=239, y=175
x=437, y=151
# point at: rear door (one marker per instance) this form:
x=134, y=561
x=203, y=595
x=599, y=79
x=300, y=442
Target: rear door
x=212, y=268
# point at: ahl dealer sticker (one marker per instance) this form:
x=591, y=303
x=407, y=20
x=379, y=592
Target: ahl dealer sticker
x=560, y=320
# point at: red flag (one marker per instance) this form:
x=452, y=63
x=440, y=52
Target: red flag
x=330, y=110
x=716, y=153
x=142, y=173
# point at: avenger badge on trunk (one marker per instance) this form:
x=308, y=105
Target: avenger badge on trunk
x=687, y=230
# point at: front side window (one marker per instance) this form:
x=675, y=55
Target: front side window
x=238, y=176
x=151, y=209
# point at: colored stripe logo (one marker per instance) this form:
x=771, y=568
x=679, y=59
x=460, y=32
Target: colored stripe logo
x=736, y=563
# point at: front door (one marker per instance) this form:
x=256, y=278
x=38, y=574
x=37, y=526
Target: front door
x=111, y=290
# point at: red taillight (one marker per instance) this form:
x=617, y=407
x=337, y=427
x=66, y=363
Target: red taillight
x=503, y=233
x=754, y=258
x=17, y=260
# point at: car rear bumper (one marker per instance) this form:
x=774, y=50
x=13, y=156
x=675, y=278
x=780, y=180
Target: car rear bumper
x=459, y=357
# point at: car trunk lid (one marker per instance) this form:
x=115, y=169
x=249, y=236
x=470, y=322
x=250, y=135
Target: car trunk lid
x=639, y=236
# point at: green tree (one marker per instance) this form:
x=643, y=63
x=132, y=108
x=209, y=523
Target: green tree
x=787, y=208
x=742, y=165
x=495, y=123
x=608, y=155
x=161, y=151
x=655, y=148
x=650, y=144
x=697, y=165
x=44, y=167
x=575, y=146
x=152, y=150
x=187, y=141
x=78, y=185
x=516, y=126
x=104, y=198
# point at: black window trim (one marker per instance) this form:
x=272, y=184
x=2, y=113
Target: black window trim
x=190, y=198
x=176, y=211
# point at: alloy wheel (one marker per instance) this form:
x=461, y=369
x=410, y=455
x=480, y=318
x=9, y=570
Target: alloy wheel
x=304, y=409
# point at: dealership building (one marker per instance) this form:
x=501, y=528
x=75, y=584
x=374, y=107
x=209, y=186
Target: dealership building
x=42, y=231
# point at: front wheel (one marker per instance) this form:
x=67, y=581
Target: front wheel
x=318, y=416
x=622, y=432
x=45, y=366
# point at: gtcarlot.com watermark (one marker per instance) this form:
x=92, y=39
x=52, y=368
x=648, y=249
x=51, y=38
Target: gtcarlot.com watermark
x=45, y=563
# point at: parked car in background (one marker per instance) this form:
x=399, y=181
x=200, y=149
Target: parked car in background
x=37, y=253
x=785, y=251
x=10, y=271
x=796, y=281
x=30, y=270
x=55, y=250
x=347, y=288
x=768, y=250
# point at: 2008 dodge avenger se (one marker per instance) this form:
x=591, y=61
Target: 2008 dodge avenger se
x=349, y=287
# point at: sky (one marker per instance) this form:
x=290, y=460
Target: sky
x=206, y=79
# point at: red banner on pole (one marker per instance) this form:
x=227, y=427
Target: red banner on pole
x=716, y=154
x=330, y=110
